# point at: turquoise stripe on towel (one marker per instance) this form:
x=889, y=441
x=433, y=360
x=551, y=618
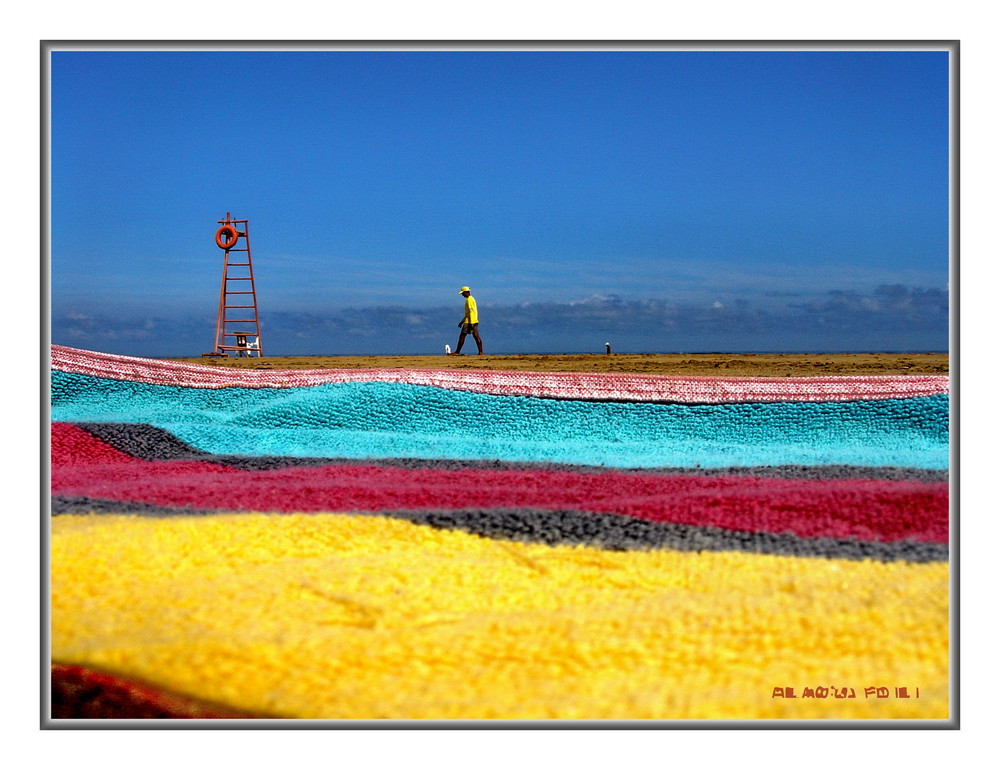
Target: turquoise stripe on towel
x=380, y=420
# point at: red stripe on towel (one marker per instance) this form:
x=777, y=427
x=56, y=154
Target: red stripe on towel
x=83, y=693
x=855, y=508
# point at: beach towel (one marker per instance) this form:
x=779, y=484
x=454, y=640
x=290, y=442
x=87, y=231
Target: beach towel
x=452, y=545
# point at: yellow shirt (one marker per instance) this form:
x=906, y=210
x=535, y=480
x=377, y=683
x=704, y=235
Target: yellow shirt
x=471, y=313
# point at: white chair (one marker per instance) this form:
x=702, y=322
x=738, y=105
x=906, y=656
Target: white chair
x=253, y=344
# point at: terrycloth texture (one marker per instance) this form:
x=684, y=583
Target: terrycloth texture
x=81, y=693
x=327, y=616
x=397, y=420
x=575, y=385
x=859, y=508
x=149, y=443
x=376, y=547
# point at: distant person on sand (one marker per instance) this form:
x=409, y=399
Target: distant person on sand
x=469, y=323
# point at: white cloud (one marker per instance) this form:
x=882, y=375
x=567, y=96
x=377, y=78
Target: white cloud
x=890, y=317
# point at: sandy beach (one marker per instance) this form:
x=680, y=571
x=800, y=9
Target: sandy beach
x=702, y=364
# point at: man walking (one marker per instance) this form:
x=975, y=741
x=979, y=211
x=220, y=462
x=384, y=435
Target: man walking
x=469, y=323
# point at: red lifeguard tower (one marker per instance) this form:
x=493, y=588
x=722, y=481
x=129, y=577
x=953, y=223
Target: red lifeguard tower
x=237, y=330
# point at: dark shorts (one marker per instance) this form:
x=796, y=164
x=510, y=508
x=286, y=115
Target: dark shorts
x=470, y=328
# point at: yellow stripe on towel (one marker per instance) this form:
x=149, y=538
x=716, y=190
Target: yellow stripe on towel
x=352, y=617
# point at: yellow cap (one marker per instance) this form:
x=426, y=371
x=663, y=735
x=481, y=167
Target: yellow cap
x=463, y=290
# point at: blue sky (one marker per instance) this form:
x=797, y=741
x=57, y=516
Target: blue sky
x=666, y=201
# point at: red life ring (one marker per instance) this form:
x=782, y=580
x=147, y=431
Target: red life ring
x=230, y=241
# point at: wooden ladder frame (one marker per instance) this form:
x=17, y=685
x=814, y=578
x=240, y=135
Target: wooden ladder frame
x=233, y=329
